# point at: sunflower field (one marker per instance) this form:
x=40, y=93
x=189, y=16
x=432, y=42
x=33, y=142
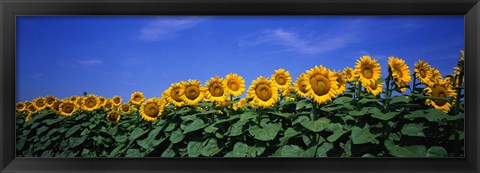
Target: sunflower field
x=354, y=112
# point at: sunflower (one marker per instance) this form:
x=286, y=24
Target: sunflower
x=435, y=75
x=282, y=79
x=91, y=102
x=263, y=92
x=102, y=101
x=31, y=108
x=375, y=88
x=192, y=92
x=56, y=106
x=423, y=72
x=50, y=100
x=28, y=117
x=73, y=98
x=287, y=91
x=79, y=101
x=151, y=109
x=108, y=104
x=342, y=82
x=440, y=89
x=215, y=90
x=301, y=85
x=124, y=108
x=235, y=84
x=113, y=117
x=137, y=98
x=367, y=70
x=67, y=108
x=40, y=103
x=117, y=100
x=173, y=94
x=322, y=86
x=349, y=74
x=400, y=71
x=20, y=106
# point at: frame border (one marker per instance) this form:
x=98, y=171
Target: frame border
x=12, y=8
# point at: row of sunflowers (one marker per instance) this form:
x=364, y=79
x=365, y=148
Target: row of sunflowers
x=320, y=86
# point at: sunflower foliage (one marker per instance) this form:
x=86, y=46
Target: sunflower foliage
x=357, y=112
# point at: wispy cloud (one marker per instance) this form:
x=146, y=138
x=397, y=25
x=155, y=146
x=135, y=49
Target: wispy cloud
x=163, y=28
x=89, y=62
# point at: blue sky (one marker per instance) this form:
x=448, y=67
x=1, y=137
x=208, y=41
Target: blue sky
x=118, y=55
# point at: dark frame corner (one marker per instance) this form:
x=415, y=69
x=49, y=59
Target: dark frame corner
x=10, y=8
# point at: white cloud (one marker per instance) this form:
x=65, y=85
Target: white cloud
x=89, y=62
x=168, y=27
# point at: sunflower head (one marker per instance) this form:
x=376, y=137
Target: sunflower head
x=50, y=100
x=435, y=76
x=102, y=101
x=349, y=74
x=151, y=109
x=108, y=104
x=263, y=92
x=282, y=79
x=173, y=94
x=322, y=84
x=301, y=85
x=367, y=70
x=79, y=101
x=56, y=106
x=235, y=84
x=67, y=108
x=440, y=89
x=31, y=108
x=124, y=108
x=287, y=91
x=20, y=106
x=113, y=116
x=137, y=98
x=192, y=92
x=342, y=82
x=216, y=90
x=374, y=88
x=117, y=100
x=423, y=72
x=90, y=102
x=399, y=70
x=73, y=98
x=40, y=103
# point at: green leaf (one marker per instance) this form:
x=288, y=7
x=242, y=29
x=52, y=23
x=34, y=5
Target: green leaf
x=121, y=139
x=197, y=124
x=413, y=129
x=194, y=148
x=247, y=116
x=41, y=130
x=210, y=147
x=378, y=114
x=336, y=134
x=170, y=127
x=137, y=132
x=154, y=133
x=76, y=141
x=133, y=153
x=316, y=126
x=148, y=143
x=176, y=136
x=72, y=130
x=408, y=151
x=437, y=151
x=342, y=100
x=302, y=104
x=368, y=100
x=281, y=114
x=53, y=121
x=236, y=129
x=300, y=118
x=359, y=113
x=323, y=149
x=267, y=133
x=289, y=151
x=399, y=99
x=290, y=132
x=211, y=129
x=362, y=136
x=169, y=152
x=240, y=149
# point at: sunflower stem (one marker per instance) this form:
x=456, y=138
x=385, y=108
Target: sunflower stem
x=387, y=91
x=414, y=83
x=457, y=108
x=314, y=111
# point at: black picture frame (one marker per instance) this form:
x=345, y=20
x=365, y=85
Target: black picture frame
x=11, y=8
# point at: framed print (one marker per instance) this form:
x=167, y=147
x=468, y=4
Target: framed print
x=280, y=86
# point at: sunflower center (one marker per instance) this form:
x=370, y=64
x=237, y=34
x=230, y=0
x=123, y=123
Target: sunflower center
x=113, y=116
x=137, y=98
x=40, y=103
x=31, y=108
x=20, y=106
x=320, y=85
x=373, y=86
x=280, y=79
x=423, y=74
x=233, y=86
x=152, y=110
x=176, y=95
x=91, y=103
x=50, y=101
x=440, y=92
x=216, y=90
x=192, y=92
x=68, y=108
x=263, y=92
x=116, y=100
x=125, y=108
x=398, y=72
x=108, y=105
x=367, y=72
